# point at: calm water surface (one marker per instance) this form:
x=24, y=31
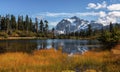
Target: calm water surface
x=69, y=46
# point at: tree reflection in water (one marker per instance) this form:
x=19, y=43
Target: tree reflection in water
x=67, y=46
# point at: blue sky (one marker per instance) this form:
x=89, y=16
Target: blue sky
x=56, y=10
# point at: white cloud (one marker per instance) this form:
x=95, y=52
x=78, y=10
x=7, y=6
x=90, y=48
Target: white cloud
x=106, y=20
x=91, y=5
x=102, y=14
x=109, y=17
x=49, y=14
x=114, y=7
x=88, y=14
x=97, y=6
x=114, y=13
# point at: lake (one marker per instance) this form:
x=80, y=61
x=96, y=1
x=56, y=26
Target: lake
x=69, y=46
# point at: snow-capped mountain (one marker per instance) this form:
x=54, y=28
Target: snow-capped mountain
x=74, y=24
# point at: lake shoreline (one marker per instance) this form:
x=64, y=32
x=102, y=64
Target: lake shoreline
x=29, y=38
x=20, y=38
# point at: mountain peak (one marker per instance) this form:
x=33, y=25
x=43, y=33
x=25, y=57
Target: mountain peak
x=75, y=24
x=74, y=17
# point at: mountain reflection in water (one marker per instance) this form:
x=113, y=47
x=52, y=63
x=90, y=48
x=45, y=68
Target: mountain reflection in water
x=67, y=45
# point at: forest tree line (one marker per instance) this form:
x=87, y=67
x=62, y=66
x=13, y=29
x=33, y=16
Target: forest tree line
x=21, y=26
x=110, y=37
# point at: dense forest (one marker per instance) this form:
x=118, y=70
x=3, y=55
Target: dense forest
x=10, y=26
x=111, y=36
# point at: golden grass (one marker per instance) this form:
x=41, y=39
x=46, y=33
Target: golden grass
x=40, y=58
x=116, y=50
x=55, y=61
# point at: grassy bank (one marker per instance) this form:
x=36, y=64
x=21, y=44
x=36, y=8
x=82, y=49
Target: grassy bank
x=55, y=61
x=17, y=38
x=17, y=34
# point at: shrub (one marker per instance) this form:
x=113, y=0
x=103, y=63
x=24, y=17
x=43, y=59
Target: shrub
x=110, y=39
x=3, y=34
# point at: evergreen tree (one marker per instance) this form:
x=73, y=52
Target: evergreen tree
x=36, y=25
x=20, y=23
x=111, y=27
x=82, y=33
x=13, y=22
x=53, y=30
x=46, y=26
x=89, y=30
x=31, y=24
x=102, y=30
x=3, y=25
x=26, y=23
x=7, y=22
x=116, y=27
x=41, y=26
x=34, y=28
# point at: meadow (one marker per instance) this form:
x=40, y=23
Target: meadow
x=56, y=61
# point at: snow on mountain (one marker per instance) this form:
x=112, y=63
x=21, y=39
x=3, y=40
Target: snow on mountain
x=74, y=24
x=71, y=20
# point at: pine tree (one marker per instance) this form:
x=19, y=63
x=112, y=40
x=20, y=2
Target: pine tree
x=20, y=23
x=41, y=26
x=53, y=30
x=13, y=22
x=36, y=24
x=116, y=27
x=3, y=25
x=111, y=27
x=27, y=23
x=102, y=30
x=31, y=24
x=89, y=30
x=46, y=26
x=7, y=22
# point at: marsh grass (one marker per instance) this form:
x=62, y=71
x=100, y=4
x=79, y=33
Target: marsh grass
x=56, y=61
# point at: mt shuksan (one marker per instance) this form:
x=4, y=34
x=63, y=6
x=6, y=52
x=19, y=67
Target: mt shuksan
x=74, y=24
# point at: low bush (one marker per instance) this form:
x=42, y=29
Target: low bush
x=109, y=39
x=3, y=34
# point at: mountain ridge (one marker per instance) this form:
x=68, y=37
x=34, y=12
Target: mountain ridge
x=74, y=24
